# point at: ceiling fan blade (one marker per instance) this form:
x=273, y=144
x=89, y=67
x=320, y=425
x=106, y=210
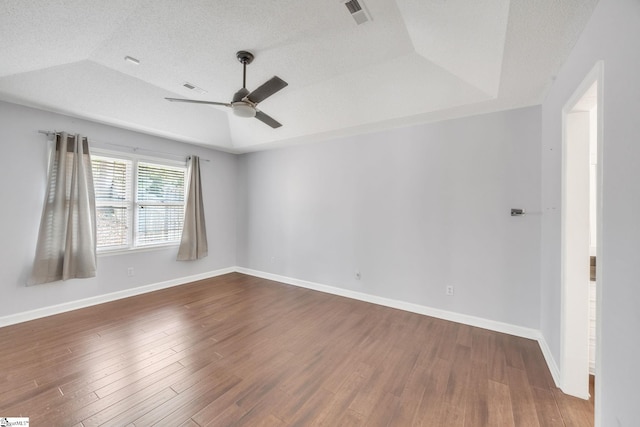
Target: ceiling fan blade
x=267, y=89
x=196, y=101
x=264, y=118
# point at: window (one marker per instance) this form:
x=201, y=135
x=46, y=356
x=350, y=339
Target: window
x=139, y=201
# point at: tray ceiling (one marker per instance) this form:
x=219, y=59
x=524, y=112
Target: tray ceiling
x=414, y=61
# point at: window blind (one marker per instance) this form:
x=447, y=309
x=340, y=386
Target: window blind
x=138, y=203
x=113, y=189
x=160, y=204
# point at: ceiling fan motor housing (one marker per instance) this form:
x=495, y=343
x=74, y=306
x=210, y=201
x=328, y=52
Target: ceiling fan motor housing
x=240, y=95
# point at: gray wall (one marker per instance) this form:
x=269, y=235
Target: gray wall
x=413, y=209
x=23, y=164
x=612, y=35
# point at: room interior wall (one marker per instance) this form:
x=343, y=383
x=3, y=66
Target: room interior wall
x=612, y=36
x=23, y=165
x=411, y=211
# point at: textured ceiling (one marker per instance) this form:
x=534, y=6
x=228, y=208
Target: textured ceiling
x=415, y=61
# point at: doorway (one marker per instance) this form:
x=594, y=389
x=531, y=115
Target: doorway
x=580, y=225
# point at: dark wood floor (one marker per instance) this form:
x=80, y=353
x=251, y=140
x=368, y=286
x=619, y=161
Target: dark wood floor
x=242, y=351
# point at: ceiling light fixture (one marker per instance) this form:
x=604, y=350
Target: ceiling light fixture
x=132, y=60
x=243, y=109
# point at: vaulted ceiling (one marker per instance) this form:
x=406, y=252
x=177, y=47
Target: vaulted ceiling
x=412, y=61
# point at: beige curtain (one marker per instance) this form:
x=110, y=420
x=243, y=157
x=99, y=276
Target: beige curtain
x=193, y=244
x=66, y=247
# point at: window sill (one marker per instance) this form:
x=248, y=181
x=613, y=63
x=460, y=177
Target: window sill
x=154, y=248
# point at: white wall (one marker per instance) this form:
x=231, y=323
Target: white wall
x=612, y=35
x=23, y=176
x=413, y=209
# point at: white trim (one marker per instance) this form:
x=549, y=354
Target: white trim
x=139, y=249
x=548, y=357
x=574, y=343
x=600, y=277
x=100, y=299
x=479, y=322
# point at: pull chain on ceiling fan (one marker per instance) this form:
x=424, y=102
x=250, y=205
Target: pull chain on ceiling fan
x=244, y=103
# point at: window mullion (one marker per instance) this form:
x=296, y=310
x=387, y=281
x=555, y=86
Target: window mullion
x=135, y=206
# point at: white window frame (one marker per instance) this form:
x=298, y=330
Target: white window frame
x=133, y=204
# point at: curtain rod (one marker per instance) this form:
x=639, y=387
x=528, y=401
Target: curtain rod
x=135, y=149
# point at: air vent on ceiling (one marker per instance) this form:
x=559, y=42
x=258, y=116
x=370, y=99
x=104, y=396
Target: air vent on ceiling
x=193, y=87
x=358, y=11
x=353, y=6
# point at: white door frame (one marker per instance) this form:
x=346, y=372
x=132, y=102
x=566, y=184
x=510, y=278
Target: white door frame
x=574, y=352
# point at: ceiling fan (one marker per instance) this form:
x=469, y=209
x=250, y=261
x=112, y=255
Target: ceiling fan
x=244, y=103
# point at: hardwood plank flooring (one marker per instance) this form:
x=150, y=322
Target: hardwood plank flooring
x=242, y=351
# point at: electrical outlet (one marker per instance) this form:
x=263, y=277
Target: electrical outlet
x=130, y=272
x=449, y=290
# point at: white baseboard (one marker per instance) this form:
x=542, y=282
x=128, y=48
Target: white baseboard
x=402, y=305
x=548, y=357
x=100, y=299
x=479, y=322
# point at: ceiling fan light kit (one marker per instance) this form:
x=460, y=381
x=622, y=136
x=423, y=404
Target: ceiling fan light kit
x=244, y=103
x=243, y=109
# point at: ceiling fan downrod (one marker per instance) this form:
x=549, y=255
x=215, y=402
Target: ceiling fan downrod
x=245, y=58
